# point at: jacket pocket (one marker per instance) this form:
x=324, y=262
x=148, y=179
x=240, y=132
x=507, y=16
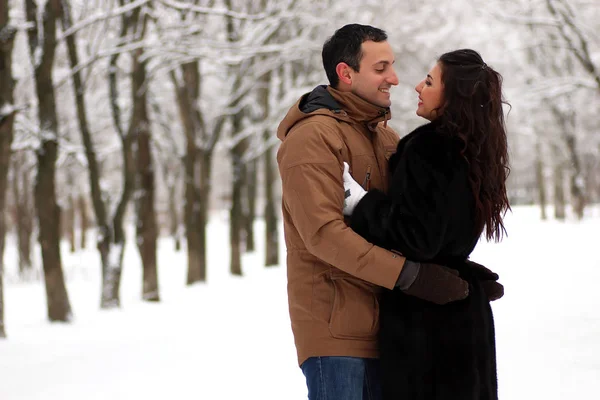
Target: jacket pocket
x=355, y=309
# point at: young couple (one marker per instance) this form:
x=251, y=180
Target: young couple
x=383, y=301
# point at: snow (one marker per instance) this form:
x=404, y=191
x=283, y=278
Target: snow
x=230, y=338
x=6, y=108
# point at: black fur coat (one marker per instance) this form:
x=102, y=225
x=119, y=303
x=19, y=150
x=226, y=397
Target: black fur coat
x=430, y=352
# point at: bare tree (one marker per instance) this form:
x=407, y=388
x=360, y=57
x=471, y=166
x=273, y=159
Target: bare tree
x=200, y=142
x=249, y=212
x=84, y=220
x=571, y=30
x=111, y=236
x=187, y=88
x=566, y=122
x=236, y=215
x=270, y=177
x=172, y=176
x=42, y=46
x=270, y=215
x=147, y=231
x=197, y=166
x=7, y=111
x=23, y=214
x=558, y=183
x=554, y=60
x=591, y=166
x=243, y=75
x=541, y=180
x=169, y=159
x=68, y=216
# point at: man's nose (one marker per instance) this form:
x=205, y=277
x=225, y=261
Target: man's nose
x=393, y=79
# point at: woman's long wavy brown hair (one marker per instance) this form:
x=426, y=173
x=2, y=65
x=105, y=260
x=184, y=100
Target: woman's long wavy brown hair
x=473, y=109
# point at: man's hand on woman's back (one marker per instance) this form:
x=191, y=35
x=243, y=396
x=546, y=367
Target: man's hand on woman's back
x=438, y=284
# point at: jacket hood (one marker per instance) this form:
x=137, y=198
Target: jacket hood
x=343, y=106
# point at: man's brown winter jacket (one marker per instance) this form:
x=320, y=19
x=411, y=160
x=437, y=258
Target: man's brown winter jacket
x=334, y=275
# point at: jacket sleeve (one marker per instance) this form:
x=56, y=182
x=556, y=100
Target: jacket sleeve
x=311, y=165
x=414, y=216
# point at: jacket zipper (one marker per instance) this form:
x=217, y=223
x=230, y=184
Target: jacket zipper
x=367, y=182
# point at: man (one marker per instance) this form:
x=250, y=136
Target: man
x=334, y=275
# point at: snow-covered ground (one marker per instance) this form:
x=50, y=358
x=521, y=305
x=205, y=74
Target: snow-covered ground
x=231, y=338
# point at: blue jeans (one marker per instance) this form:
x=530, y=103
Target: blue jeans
x=342, y=378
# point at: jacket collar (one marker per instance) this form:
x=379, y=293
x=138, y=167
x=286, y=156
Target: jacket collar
x=359, y=109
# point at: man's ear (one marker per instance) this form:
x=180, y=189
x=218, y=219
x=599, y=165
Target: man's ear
x=344, y=72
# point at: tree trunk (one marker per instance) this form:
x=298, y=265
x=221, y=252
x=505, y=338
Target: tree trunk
x=566, y=121
x=7, y=112
x=594, y=174
x=250, y=214
x=112, y=240
x=68, y=220
x=236, y=215
x=112, y=251
x=48, y=211
x=559, y=191
x=589, y=167
x=205, y=163
x=271, y=223
x=198, y=167
x=187, y=93
x=576, y=181
x=171, y=178
x=84, y=221
x=270, y=177
x=23, y=212
x=147, y=232
x=146, y=217
x=2, y=237
x=541, y=181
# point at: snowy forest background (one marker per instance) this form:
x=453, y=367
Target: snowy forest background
x=159, y=114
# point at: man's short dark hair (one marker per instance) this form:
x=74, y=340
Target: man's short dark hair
x=345, y=46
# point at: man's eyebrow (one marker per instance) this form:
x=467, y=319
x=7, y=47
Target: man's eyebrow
x=429, y=76
x=386, y=62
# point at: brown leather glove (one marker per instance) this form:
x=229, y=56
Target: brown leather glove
x=493, y=289
x=438, y=284
x=480, y=272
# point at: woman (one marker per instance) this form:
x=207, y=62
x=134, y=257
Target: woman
x=447, y=187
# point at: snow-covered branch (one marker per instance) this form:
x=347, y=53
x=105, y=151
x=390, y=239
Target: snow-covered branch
x=581, y=49
x=101, y=16
x=181, y=6
x=522, y=20
x=98, y=56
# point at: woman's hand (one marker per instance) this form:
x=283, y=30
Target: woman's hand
x=353, y=192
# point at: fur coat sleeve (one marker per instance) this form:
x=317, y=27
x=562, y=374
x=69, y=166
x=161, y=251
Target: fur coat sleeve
x=428, y=199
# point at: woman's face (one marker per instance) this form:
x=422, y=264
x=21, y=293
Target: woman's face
x=431, y=93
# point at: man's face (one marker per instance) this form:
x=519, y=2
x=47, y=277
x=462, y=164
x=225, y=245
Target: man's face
x=376, y=75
